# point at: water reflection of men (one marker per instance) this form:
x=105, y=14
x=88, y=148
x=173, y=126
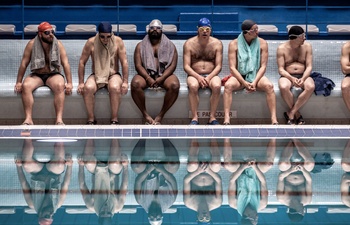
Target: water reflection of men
x=45, y=192
x=202, y=185
x=155, y=185
x=294, y=187
x=247, y=190
x=106, y=196
x=345, y=180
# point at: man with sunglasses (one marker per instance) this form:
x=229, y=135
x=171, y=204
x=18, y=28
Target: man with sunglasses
x=155, y=60
x=106, y=51
x=248, y=56
x=294, y=60
x=47, y=56
x=202, y=59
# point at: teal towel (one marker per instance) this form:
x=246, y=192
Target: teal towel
x=248, y=58
x=248, y=188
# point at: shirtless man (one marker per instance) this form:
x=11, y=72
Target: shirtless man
x=202, y=60
x=242, y=75
x=294, y=59
x=45, y=70
x=294, y=186
x=345, y=68
x=105, y=73
x=155, y=70
x=202, y=186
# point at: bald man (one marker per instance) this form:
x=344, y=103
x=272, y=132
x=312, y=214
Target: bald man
x=47, y=56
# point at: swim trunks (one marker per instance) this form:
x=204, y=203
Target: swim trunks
x=45, y=76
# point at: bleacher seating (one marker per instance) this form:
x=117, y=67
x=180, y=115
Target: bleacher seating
x=124, y=29
x=7, y=29
x=250, y=108
x=309, y=29
x=342, y=29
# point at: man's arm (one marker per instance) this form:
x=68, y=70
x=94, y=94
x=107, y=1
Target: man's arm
x=82, y=62
x=218, y=60
x=187, y=65
x=122, y=56
x=264, y=55
x=345, y=58
x=308, y=61
x=66, y=68
x=233, y=62
x=23, y=66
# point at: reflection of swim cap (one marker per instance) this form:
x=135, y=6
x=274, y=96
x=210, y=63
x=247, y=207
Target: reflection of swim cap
x=44, y=26
x=104, y=27
x=156, y=23
x=204, y=22
x=294, y=31
x=247, y=24
x=155, y=222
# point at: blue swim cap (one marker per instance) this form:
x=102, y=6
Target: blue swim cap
x=204, y=22
x=104, y=27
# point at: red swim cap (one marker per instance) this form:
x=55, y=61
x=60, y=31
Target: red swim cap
x=44, y=26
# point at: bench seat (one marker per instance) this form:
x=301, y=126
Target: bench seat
x=246, y=108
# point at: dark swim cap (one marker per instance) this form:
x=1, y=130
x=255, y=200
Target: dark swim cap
x=247, y=24
x=104, y=27
x=204, y=22
x=294, y=31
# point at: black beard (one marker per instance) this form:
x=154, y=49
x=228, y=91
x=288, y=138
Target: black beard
x=47, y=41
x=154, y=35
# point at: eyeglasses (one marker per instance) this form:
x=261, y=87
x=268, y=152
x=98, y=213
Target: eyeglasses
x=155, y=28
x=47, y=32
x=104, y=37
x=206, y=29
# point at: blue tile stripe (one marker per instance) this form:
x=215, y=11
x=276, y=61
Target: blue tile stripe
x=180, y=131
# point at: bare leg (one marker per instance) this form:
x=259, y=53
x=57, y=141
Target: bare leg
x=192, y=163
x=232, y=84
x=30, y=165
x=309, y=162
x=193, y=96
x=115, y=157
x=172, y=163
x=345, y=89
x=284, y=163
x=138, y=84
x=215, y=163
x=171, y=86
x=138, y=163
x=88, y=156
x=229, y=163
x=270, y=156
x=266, y=86
x=90, y=89
x=215, y=86
x=345, y=160
x=57, y=85
x=309, y=87
x=114, y=89
x=30, y=83
x=57, y=164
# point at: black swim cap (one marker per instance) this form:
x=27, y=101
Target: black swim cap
x=247, y=25
x=104, y=27
x=294, y=31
